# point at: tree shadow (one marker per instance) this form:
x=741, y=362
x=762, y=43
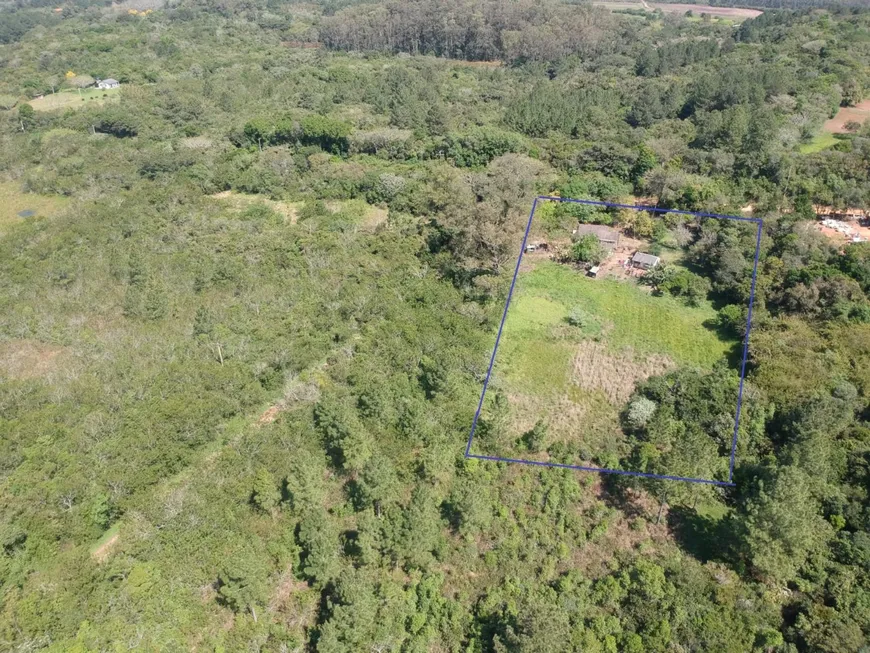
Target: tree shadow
x=703, y=537
x=620, y=492
x=734, y=355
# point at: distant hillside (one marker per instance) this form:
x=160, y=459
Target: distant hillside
x=783, y=4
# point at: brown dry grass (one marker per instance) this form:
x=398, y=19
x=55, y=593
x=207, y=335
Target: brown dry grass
x=595, y=367
x=375, y=216
x=288, y=210
x=29, y=359
x=282, y=596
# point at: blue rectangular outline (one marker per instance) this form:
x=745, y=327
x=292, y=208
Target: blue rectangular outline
x=604, y=470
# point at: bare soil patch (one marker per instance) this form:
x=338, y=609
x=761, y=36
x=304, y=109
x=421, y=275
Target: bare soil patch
x=839, y=236
x=615, y=374
x=29, y=359
x=837, y=124
x=674, y=8
x=725, y=12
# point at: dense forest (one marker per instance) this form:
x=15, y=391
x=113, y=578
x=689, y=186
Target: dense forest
x=247, y=302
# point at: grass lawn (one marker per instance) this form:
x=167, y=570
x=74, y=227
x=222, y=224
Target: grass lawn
x=70, y=99
x=821, y=141
x=578, y=378
x=14, y=201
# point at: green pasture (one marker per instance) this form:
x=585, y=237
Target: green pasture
x=534, y=342
x=821, y=141
x=535, y=362
x=74, y=99
x=13, y=200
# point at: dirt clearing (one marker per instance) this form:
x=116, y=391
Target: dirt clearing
x=837, y=124
x=734, y=13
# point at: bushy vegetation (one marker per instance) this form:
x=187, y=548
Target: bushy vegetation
x=242, y=340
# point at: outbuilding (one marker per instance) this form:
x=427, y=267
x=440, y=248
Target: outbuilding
x=607, y=237
x=644, y=261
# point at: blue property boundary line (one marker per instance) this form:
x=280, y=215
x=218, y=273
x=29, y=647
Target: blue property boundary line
x=604, y=470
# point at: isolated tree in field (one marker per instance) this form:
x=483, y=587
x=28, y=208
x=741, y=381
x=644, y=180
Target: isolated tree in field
x=853, y=93
x=331, y=135
x=203, y=322
x=536, y=438
x=156, y=301
x=378, y=483
x=421, y=534
x=26, y=116
x=639, y=224
x=691, y=287
x=7, y=102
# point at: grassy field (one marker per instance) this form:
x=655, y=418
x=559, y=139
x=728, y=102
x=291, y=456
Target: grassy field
x=369, y=216
x=634, y=318
x=14, y=201
x=821, y=141
x=70, y=99
x=578, y=378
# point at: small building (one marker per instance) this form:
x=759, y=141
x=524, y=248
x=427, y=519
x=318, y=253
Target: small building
x=644, y=261
x=108, y=83
x=607, y=237
x=593, y=271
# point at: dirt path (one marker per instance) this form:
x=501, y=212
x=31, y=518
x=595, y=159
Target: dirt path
x=173, y=489
x=101, y=553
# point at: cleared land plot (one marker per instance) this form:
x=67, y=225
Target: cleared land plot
x=837, y=125
x=734, y=13
x=577, y=379
x=369, y=216
x=242, y=201
x=75, y=99
x=16, y=206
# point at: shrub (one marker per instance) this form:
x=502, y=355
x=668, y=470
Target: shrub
x=587, y=249
x=640, y=412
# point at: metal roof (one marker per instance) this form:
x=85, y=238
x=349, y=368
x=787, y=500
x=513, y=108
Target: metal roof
x=601, y=231
x=645, y=259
